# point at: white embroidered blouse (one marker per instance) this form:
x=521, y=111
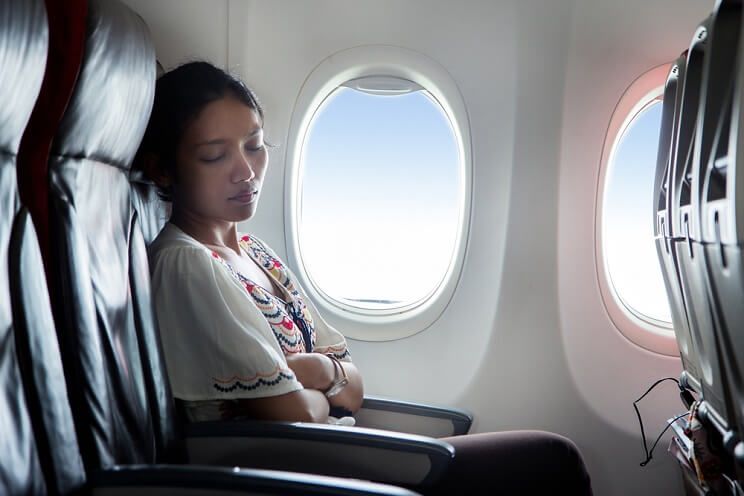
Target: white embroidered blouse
x=225, y=337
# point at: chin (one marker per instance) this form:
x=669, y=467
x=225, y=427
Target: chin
x=242, y=214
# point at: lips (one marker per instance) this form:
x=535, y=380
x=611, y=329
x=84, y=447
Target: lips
x=245, y=196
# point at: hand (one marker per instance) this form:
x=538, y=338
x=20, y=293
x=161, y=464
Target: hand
x=313, y=370
x=317, y=371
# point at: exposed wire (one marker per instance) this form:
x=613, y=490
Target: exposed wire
x=649, y=454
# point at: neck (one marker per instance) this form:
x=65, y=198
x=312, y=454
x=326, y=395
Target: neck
x=216, y=233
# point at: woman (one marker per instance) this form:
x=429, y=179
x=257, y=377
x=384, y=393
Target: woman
x=239, y=335
x=237, y=332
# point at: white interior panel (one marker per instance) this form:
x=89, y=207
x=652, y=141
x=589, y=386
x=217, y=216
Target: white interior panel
x=186, y=30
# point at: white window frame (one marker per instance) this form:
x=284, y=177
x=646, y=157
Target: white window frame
x=334, y=71
x=646, y=332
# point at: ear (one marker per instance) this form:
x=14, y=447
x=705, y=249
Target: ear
x=151, y=168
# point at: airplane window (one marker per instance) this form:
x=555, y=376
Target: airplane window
x=380, y=194
x=629, y=250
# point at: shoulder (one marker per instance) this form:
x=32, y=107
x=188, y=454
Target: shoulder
x=172, y=236
x=175, y=254
x=182, y=267
x=173, y=240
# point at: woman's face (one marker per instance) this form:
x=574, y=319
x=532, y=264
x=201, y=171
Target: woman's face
x=221, y=163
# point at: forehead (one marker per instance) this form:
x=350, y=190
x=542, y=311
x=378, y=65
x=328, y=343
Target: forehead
x=226, y=118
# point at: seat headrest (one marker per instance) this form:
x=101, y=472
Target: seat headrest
x=108, y=112
x=24, y=37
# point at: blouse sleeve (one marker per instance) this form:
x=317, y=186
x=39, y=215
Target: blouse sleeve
x=327, y=338
x=217, y=344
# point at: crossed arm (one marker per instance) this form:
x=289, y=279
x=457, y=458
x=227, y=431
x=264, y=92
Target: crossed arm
x=316, y=372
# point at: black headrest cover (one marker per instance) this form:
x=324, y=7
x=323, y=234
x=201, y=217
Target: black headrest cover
x=110, y=107
x=23, y=51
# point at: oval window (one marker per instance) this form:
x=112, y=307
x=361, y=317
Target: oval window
x=380, y=195
x=627, y=220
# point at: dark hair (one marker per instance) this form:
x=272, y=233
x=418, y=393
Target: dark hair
x=180, y=95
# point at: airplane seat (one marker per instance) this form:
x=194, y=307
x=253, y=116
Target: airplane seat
x=111, y=354
x=721, y=200
x=662, y=232
x=713, y=115
x=35, y=338
x=91, y=227
x=152, y=212
x=685, y=225
x=23, y=46
x=66, y=35
x=695, y=176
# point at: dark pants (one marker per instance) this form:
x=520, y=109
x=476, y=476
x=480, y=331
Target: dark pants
x=513, y=463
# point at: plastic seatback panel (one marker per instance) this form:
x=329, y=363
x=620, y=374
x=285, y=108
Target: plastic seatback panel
x=665, y=247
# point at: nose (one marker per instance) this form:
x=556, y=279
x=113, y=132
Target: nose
x=244, y=169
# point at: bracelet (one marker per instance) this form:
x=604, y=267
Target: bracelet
x=338, y=382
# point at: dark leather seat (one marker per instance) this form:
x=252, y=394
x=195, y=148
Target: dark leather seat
x=23, y=48
x=151, y=211
x=66, y=37
x=92, y=225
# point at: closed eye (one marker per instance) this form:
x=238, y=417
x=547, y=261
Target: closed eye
x=254, y=149
x=212, y=159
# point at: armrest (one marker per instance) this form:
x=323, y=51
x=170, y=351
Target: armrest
x=414, y=418
x=154, y=480
x=389, y=457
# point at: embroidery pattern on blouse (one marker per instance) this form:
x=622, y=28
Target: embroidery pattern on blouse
x=339, y=352
x=288, y=319
x=251, y=383
x=259, y=253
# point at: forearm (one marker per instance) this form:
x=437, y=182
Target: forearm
x=352, y=395
x=313, y=370
x=314, y=407
x=307, y=405
x=317, y=371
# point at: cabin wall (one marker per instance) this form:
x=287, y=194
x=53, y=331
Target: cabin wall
x=185, y=30
x=526, y=342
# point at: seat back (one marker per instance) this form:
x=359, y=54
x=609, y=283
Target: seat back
x=101, y=290
x=152, y=212
x=40, y=366
x=66, y=36
x=692, y=145
x=37, y=348
x=662, y=231
x=722, y=230
x=23, y=53
x=713, y=123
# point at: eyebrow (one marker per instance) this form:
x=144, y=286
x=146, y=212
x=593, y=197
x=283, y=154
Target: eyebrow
x=220, y=141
